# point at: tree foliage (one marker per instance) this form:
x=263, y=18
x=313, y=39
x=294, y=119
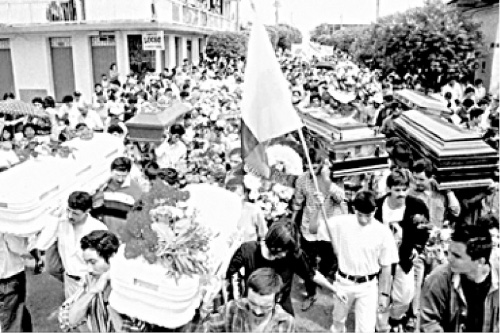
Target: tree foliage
x=234, y=44
x=227, y=45
x=435, y=40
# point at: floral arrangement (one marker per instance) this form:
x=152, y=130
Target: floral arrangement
x=436, y=249
x=271, y=197
x=163, y=229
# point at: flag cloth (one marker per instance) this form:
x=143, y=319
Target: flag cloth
x=266, y=108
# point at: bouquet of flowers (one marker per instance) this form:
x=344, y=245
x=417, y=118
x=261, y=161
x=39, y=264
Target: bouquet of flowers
x=164, y=230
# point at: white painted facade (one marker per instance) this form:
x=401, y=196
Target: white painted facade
x=28, y=37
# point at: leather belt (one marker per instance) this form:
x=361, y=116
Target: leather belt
x=74, y=277
x=358, y=278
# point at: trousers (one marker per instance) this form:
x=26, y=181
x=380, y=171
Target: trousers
x=364, y=296
x=402, y=293
x=14, y=316
x=327, y=264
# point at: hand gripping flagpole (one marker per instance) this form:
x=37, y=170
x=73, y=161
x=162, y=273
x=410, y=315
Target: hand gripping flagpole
x=315, y=181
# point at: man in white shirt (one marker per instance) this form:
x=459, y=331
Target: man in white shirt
x=87, y=116
x=68, y=232
x=14, y=316
x=365, y=250
x=172, y=151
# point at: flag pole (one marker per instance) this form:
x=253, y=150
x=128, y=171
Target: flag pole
x=315, y=181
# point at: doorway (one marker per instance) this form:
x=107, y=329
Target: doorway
x=140, y=61
x=62, y=67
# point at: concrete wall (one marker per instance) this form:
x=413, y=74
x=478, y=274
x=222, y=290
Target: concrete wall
x=31, y=63
x=488, y=18
x=82, y=64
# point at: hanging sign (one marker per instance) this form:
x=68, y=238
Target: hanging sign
x=152, y=41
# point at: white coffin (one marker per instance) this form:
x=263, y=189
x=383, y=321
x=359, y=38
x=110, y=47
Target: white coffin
x=141, y=290
x=32, y=191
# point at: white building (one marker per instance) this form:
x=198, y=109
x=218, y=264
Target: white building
x=56, y=47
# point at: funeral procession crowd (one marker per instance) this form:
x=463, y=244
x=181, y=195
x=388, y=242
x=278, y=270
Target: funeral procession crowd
x=391, y=245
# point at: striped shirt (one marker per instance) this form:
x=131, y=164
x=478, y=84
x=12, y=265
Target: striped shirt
x=305, y=192
x=113, y=204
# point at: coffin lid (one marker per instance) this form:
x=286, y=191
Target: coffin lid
x=158, y=117
x=417, y=100
x=437, y=127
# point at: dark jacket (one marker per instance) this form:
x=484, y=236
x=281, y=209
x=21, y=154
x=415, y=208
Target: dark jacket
x=411, y=234
x=444, y=308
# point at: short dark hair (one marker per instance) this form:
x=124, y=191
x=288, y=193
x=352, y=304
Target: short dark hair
x=80, y=200
x=105, y=243
x=468, y=103
x=37, y=100
x=80, y=126
x=423, y=165
x=281, y=235
x=115, y=129
x=477, y=239
x=364, y=202
x=151, y=170
x=67, y=99
x=49, y=102
x=123, y=164
x=469, y=90
x=475, y=113
x=398, y=177
x=177, y=129
x=478, y=81
x=265, y=281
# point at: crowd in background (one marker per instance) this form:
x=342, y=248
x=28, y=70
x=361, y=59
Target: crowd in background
x=204, y=146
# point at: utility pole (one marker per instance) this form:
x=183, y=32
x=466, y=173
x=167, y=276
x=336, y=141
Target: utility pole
x=276, y=13
x=377, y=13
x=237, y=15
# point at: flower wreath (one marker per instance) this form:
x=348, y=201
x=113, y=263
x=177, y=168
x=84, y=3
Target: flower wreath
x=163, y=229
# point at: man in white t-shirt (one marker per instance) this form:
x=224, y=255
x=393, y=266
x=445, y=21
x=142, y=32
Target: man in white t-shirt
x=366, y=251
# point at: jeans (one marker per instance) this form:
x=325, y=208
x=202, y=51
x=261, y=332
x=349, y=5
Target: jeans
x=364, y=296
x=14, y=316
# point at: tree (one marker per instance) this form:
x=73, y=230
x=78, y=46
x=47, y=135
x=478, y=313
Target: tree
x=435, y=41
x=288, y=35
x=227, y=44
x=234, y=44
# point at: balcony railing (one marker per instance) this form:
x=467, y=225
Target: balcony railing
x=27, y=12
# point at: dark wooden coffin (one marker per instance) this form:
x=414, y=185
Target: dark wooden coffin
x=149, y=125
x=354, y=148
x=461, y=157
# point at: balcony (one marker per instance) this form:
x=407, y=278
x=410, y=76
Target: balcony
x=36, y=12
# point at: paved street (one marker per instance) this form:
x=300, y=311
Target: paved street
x=45, y=295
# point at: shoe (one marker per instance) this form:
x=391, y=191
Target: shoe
x=308, y=302
x=411, y=324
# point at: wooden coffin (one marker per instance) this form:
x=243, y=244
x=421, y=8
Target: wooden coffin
x=354, y=148
x=150, y=123
x=418, y=101
x=461, y=157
